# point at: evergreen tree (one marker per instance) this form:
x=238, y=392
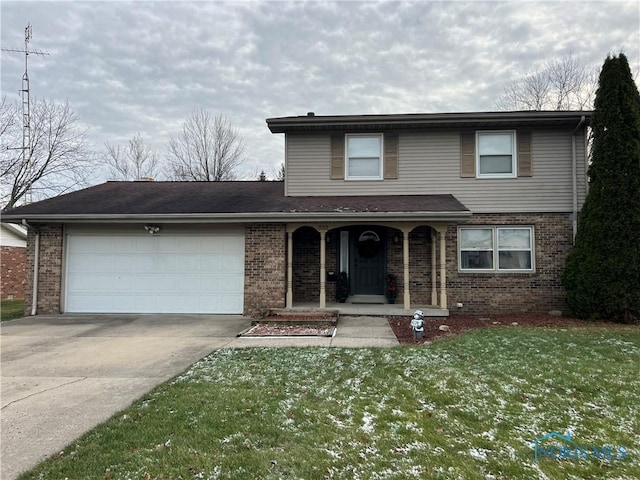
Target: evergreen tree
x=262, y=177
x=602, y=274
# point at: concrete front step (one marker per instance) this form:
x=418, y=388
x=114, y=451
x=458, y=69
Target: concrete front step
x=374, y=310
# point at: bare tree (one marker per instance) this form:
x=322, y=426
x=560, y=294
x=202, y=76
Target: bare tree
x=8, y=120
x=133, y=161
x=208, y=149
x=561, y=84
x=7, y=116
x=57, y=159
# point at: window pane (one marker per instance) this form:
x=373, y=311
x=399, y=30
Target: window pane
x=363, y=146
x=479, y=260
x=514, y=260
x=495, y=144
x=364, y=167
x=514, y=238
x=481, y=238
x=495, y=164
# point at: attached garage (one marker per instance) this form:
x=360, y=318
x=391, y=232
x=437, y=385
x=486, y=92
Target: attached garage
x=172, y=271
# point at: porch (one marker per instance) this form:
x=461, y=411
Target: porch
x=413, y=252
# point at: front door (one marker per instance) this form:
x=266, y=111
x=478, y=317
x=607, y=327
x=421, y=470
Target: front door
x=368, y=261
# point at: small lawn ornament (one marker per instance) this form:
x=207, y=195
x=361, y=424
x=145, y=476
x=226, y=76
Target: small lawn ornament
x=417, y=325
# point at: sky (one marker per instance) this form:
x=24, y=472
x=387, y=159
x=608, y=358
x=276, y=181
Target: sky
x=129, y=67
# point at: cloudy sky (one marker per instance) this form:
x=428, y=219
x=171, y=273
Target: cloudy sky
x=134, y=66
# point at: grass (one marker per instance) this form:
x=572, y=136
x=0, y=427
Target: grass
x=10, y=309
x=468, y=407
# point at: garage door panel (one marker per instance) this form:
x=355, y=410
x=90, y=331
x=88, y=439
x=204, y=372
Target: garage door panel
x=155, y=274
x=231, y=304
x=232, y=264
x=97, y=283
x=230, y=284
x=100, y=303
x=80, y=263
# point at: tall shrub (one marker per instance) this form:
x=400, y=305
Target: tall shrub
x=602, y=273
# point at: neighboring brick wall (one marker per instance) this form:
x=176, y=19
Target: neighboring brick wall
x=265, y=268
x=514, y=292
x=50, y=269
x=12, y=265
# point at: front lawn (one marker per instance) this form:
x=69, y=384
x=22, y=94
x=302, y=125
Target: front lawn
x=467, y=407
x=10, y=309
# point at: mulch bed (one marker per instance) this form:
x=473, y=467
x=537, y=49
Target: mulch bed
x=294, y=324
x=290, y=330
x=463, y=323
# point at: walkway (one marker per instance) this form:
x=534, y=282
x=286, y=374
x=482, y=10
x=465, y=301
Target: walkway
x=64, y=374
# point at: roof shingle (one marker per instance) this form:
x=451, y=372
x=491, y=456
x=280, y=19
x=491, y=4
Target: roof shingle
x=212, y=198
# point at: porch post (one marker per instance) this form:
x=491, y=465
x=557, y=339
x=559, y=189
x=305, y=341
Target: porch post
x=323, y=273
x=289, y=301
x=405, y=262
x=443, y=267
x=434, y=268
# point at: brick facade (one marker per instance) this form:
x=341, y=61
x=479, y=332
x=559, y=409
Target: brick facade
x=12, y=267
x=480, y=293
x=514, y=292
x=50, y=270
x=265, y=268
x=306, y=264
x=419, y=263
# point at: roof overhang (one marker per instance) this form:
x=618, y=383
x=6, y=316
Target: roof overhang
x=418, y=121
x=271, y=217
x=19, y=231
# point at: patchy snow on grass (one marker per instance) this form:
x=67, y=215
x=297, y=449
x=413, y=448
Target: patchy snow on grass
x=467, y=407
x=478, y=454
x=368, y=422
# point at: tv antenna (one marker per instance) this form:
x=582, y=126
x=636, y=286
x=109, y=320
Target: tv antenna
x=26, y=103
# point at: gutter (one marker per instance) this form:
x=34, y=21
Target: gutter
x=574, y=178
x=36, y=265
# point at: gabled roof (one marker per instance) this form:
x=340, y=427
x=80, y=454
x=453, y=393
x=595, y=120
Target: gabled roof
x=227, y=201
x=413, y=121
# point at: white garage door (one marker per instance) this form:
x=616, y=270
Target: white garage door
x=201, y=273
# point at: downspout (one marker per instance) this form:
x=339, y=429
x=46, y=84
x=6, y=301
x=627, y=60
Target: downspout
x=36, y=262
x=574, y=178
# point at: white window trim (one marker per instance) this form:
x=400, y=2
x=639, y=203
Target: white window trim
x=514, y=157
x=496, y=250
x=346, y=156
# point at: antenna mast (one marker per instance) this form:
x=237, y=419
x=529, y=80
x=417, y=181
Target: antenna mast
x=26, y=103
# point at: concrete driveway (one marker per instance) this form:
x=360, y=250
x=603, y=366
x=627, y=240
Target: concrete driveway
x=64, y=374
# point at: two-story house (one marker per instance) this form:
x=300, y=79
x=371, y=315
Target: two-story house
x=477, y=209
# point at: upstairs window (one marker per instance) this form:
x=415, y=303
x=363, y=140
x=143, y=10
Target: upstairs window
x=496, y=156
x=364, y=157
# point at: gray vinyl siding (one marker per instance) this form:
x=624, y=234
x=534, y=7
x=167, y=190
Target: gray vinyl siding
x=429, y=163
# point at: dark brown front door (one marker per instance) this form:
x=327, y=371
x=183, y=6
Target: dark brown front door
x=368, y=261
